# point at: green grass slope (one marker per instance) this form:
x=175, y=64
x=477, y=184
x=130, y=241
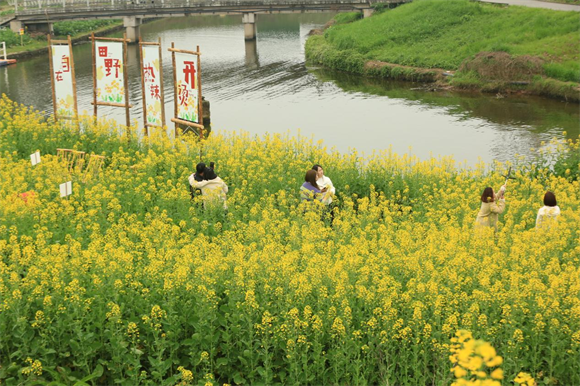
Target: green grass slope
x=447, y=33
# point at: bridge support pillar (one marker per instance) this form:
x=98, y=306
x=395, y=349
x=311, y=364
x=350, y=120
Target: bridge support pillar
x=132, y=26
x=367, y=12
x=249, y=21
x=15, y=25
x=252, y=54
x=45, y=28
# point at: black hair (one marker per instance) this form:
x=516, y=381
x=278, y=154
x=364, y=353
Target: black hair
x=208, y=173
x=315, y=167
x=311, y=177
x=550, y=199
x=487, y=195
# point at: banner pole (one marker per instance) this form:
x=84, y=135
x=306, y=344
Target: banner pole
x=126, y=82
x=175, y=96
x=54, y=106
x=162, y=91
x=74, y=81
x=94, y=77
x=199, y=100
x=145, y=129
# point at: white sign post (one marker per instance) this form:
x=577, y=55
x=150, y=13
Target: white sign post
x=35, y=158
x=66, y=189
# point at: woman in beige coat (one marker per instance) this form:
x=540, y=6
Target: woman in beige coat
x=491, y=206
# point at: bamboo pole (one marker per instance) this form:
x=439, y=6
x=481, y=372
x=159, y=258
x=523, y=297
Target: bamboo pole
x=175, y=96
x=199, y=101
x=188, y=123
x=143, y=91
x=55, y=107
x=74, y=80
x=123, y=39
x=185, y=51
x=161, y=88
x=94, y=76
x=126, y=81
x=55, y=41
x=112, y=104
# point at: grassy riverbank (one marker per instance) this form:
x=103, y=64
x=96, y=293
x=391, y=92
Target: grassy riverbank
x=130, y=281
x=486, y=47
x=78, y=30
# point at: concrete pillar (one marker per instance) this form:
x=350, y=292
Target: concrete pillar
x=249, y=21
x=45, y=28
x=15, y=25
x=367, y=12
x=252, y=54
x=132, y=26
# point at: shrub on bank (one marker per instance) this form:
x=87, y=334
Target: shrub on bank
x=129, y=281
x=75, y=27
x=12, y=38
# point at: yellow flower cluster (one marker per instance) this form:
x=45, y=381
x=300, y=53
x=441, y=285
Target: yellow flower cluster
x=269, y=293
x=471, y=360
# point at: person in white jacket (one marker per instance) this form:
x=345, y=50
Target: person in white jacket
x=548, y=214
x=325, y=185
x=213, y=189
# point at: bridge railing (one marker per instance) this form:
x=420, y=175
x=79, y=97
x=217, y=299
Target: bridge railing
x=32, y=7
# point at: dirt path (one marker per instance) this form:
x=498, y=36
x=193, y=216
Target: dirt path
x=536, y=4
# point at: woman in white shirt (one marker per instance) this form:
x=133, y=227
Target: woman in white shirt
x=549, y=213
x=325, y=185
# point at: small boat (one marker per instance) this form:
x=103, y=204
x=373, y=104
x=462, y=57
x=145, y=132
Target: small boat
x=7, y=62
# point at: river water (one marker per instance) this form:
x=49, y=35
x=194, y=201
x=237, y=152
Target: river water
x=266, y=87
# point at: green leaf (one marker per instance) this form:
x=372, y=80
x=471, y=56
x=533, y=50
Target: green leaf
x=238, y=379
x=96, y=374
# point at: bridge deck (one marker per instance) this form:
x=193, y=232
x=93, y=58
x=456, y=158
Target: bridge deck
x=29, y=10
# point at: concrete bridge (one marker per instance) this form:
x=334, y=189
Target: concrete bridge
x=39, y=15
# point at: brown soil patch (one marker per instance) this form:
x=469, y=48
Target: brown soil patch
x=503, y=66
x=320, y=31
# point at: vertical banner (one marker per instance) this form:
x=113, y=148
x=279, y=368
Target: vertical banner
x=152, y=85
x=110, y=86
x=187, y=83
x=64, y=96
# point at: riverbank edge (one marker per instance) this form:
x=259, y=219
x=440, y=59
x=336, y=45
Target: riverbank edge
x=85, y=36
x=319, y=52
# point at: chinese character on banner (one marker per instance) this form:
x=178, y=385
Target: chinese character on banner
x=58, y=76
x=109, y=72
x=189, y=72
x=114, y=63
x=65, y=63
x=155, y=91
x=187, y=87
x=149, y=74
x=183, y=94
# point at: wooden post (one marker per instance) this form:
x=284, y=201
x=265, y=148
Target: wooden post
x=54, y=107
x=161, y=83
x=94, y=76
x=145, y=130
x=126, y=81
x=199, y=101
x=175, y=96
x=74, y=80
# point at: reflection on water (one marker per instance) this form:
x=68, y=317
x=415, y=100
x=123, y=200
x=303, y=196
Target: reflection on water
x=264, y=86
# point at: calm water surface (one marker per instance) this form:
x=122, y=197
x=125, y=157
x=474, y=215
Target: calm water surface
x=266, y=87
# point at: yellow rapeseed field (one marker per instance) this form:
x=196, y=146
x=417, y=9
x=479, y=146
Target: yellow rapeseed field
x=129, y=281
